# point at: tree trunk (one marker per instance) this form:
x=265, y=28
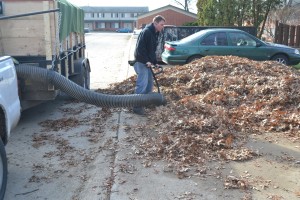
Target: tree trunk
x=265, y=19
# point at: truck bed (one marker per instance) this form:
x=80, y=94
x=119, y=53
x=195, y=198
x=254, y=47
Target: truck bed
x=47, y=34
x=30, y=35
x=38, y=35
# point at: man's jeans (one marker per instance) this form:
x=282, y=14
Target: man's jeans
x=144, y=81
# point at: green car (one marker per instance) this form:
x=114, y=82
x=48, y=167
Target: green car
x=223, y=42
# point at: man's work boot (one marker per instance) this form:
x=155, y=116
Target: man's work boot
x=139, y=111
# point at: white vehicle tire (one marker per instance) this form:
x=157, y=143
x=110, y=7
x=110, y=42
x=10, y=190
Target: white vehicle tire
x=3, y=170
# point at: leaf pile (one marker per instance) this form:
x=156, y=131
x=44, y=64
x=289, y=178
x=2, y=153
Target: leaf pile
x=214, y=104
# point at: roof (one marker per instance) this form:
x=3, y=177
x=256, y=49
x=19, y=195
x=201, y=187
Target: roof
x=168, y=7
x=115, y=9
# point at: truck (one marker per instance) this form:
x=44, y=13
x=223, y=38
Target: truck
x=42, y=51
x=46, y=39
x=10, y=112
x=48, y=34
x=45, y=34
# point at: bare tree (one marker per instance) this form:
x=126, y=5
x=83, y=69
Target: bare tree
x=288, y=13
x=185, y=4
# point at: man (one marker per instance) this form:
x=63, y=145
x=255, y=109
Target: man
x=145, y=57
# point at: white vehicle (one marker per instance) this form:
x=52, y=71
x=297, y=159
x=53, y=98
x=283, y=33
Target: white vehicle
x=10, y=111
x=136, y=33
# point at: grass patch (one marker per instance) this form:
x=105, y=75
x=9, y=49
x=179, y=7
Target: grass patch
x=296, y=66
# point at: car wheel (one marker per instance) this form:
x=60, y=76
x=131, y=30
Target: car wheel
x=3, y=170
x=193, y=58
x=281, y=59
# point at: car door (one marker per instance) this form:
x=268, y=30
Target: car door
x=9, y=97
x=243, y=45
x=215, y=44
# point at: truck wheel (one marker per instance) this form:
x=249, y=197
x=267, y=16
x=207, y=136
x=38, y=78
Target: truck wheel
x=83, y=78
x=87, y=79
x=3, y=170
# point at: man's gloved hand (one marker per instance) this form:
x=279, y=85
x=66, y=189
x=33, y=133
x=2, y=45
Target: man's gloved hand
x=149, y=64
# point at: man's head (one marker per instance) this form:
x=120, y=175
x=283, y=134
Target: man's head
x=159, y=22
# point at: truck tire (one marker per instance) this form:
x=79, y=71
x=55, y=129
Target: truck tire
x=3, y=170
x=82, y=78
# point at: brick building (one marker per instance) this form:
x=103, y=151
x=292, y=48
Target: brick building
x=111, y=18
x=174, y=16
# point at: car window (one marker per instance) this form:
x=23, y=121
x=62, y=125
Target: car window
x=193, y=37
x=215, y=39
x=241, y=39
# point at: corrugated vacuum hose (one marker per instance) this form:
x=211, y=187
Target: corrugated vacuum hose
x=103, y=100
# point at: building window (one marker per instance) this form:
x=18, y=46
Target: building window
x=122, y=15
x=128, y=25
x=115, y=25
x=101, y=25
x=114, y=15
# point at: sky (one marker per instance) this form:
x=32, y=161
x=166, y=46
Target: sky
x=151, y=4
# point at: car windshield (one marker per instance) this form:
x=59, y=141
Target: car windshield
x=193, y=36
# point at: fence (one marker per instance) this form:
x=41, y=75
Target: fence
x=287, y=34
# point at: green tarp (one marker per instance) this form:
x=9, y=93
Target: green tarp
x=72, y=19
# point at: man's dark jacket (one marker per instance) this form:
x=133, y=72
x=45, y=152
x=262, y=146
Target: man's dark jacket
x=146, y=45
